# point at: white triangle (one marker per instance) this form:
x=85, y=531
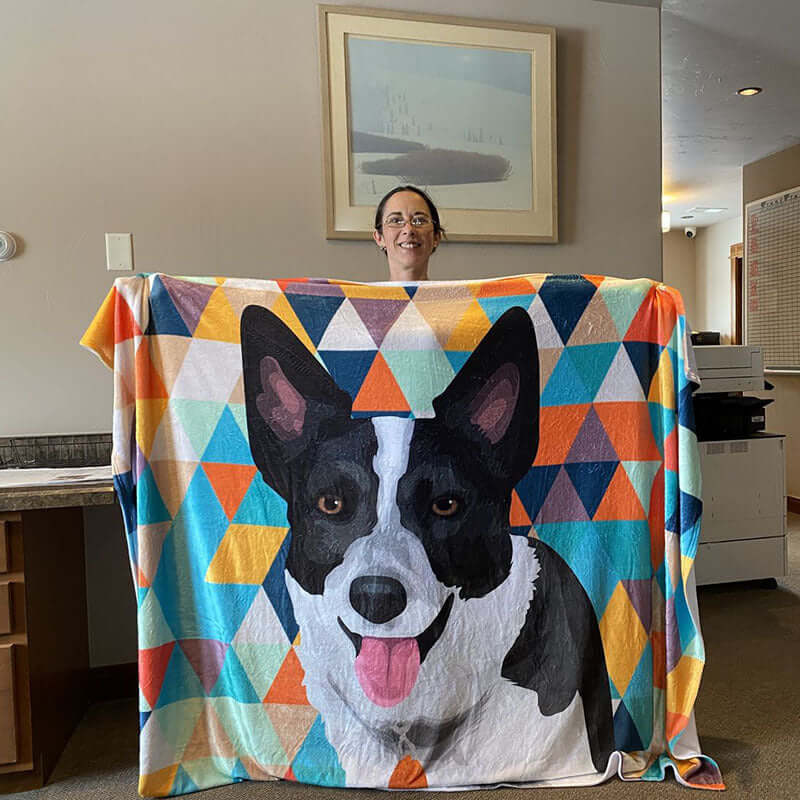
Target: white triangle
x=153, y=628
x=546, y=333
x=621, y=383
x=171, y=442
x=132, y=290
x=410, y=332
x=261, y=624
x=346, y=331
x=209, y=371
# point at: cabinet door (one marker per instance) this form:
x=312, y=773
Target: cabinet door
x=8, y=709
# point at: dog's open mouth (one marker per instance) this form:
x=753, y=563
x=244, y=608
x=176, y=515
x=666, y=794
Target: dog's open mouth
x=387, y=668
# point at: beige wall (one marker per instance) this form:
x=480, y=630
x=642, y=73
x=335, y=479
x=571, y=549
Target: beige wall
x=713, y=282
x=679, y=254
x=760, y=179
x=196, y=126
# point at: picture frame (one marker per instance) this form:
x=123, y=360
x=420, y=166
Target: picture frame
x=463, y=108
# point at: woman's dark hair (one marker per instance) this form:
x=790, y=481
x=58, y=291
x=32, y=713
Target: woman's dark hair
x=437, y=226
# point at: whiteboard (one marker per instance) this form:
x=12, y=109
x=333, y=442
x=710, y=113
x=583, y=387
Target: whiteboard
x=772, y=279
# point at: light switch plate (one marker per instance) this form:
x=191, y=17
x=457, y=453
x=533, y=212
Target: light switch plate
x=119, y=251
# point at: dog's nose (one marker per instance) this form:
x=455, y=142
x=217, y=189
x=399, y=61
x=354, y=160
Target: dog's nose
x=377, y=598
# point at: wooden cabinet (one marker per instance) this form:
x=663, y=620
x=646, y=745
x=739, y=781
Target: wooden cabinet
x=44, y=651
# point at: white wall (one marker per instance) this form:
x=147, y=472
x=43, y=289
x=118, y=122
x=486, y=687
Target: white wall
x=680, y=270
x=196, y=125
x=713, y=299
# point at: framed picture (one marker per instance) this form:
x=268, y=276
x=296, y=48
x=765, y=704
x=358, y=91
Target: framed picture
x=463, y=108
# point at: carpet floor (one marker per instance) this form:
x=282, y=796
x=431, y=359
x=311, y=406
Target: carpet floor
x=747, y=712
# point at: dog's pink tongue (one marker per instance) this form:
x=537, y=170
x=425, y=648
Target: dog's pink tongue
x=387, y=669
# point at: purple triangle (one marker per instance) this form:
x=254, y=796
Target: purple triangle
x=378, y=315
x=592, y=442
x=674, y=649
x=206, y=657
x=562, y=503
x=640, y=593
x=189, y=299
x=318, y=289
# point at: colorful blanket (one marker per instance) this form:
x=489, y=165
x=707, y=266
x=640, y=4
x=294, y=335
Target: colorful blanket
x=403, y=536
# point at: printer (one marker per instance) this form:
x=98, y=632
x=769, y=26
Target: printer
x=722, y=410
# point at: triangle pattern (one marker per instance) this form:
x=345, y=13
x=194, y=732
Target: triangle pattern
x=562, y=503
x=164, y=317
x=152, y=670
x=410, y=332
x=188, y=298
x=230, y=483
x=592, y=443
x=345, y=331
x=206, y=657
x=621, y=382
x=218, y=322
x=315, y=312
x=379, y=391
x=348, y=368
x=228, y=444
x=566, y=298
x=547, y=337
x=378, y=316
x=591, y=479
x=595, y=325
x=620, y=500
x=287, y=688
x=471, y=328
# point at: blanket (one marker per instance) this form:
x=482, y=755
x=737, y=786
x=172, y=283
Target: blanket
x=436, y=535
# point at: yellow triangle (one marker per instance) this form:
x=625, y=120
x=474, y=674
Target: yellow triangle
x=148, y=417
x=245, y=554
x=158, y=784
x=219, y=321
x=282, y=309
x=371, y=292
x=443, y=317
x=662, y=387
x=471, y=328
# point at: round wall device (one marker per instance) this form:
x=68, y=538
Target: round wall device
x=7, y=246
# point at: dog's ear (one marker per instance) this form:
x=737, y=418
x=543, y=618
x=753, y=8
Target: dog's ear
x=494, y=398
x=559, y=652
x=289, y=397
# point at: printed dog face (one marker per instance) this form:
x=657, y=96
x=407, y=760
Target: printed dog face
x=417, y=607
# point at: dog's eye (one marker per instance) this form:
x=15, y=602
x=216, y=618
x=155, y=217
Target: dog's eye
x=330, y=504
x=444, y=506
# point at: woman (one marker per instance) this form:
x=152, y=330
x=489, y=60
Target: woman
x=408, y=230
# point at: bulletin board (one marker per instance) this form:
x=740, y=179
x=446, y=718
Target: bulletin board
x=772, y=279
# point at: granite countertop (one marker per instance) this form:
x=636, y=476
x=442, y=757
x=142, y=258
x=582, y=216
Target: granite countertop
x=38, y=488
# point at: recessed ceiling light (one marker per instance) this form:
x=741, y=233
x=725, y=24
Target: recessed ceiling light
x=749, y=91
x=688, y=216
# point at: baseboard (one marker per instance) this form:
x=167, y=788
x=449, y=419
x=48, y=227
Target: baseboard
x=793, y=504
x=113, y=682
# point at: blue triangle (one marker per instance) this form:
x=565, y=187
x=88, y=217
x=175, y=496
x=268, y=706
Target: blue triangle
x=644, y=357
x=495, y=307
x=565, y=387
x=411, y=291
x=227, y=444
x=534, y=487
x=180, y=681
x=371, y=414
x=151, y=508
x=686, y=407
x=639, y=695
x=239, y=773
x=591, y=479
x=126, y=492
x=275, y=587
x=261, y=506
x=183, y=784
x=457, y=358
x=164, y=317
x=626, y=736
x=314, y=312
x=566, y=298
x=233, y=681
x=348, y=367
x=143, y=717
x=316, y=761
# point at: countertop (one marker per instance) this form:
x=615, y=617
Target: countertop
x=39, y=488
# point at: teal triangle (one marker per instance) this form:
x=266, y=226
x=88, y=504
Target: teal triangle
x=183, y=784
x=150, y=508
x=228, y=445
x=348, y=367
x=233, y=681
x=421, y=374
x=180, y=681
x=240, y=415
x=261, y=506
x=639, y=695
x=239, y=773
x=141, y=593
x=623, y=299
x=314, y=312
x=662, y=420
x=316, y=761
x=641, y=475
x=565, y=387
x=495, y=307
x=199, y=419
x=626, y=544
x=591, y=362
x=457, y=358
x=695, y=649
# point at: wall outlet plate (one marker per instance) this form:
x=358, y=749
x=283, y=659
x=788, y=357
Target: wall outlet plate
x=119, y=251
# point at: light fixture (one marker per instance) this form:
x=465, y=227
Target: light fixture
x=666, y=221
x=749, y=91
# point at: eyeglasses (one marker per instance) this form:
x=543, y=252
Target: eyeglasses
x=398, y=221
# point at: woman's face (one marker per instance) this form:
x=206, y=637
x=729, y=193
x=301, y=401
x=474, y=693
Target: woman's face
x=408, y=247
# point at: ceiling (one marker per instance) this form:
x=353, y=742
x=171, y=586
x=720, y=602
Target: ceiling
x=709, y=49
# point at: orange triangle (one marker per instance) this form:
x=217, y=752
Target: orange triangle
x=125, y=325
x=505, y=288
x=142, y=580
x=290, y=776
x=518, y=515
x=595, y=279
x=620, y=500
x=152, y=669
x=149, y=385
x=658, y=641
x=629, y=428
x=671, y=450
x=558, y=426
x=641, y=328
x=675, y=723
x=379, y=391
x=230, y=482
x=287, y=687
x=408, y=774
